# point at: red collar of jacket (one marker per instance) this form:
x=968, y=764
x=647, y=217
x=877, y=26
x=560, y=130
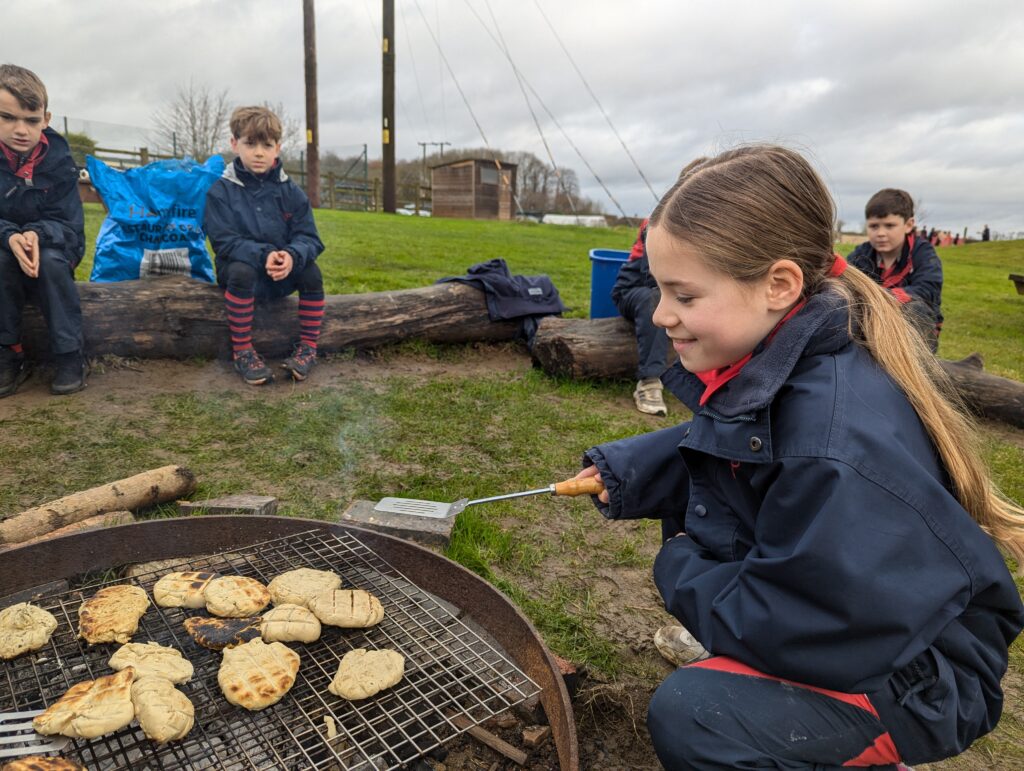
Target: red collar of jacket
x=714, y=379
x=890, y=276
x=24, y=167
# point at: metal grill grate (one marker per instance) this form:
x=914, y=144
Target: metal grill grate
x=450, y=671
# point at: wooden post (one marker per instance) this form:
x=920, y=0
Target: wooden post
x=143, y=155
x=388, y=132
x=312, y=120
x=330, y=188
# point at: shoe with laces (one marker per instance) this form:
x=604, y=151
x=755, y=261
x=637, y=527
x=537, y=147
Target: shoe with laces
x=301, y=361
x=648, y=398
x=678, y=646
x=71, y=371
x=251, y=367
x=14, y=370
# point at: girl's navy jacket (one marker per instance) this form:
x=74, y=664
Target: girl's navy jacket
x=822, y=543
x=248, y=216
x=50, y=205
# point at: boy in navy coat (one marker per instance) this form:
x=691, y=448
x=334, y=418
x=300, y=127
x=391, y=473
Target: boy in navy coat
x=902, y=262
x=42, y=233
x=265, y=243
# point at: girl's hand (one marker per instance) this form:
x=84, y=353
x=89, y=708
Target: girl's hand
x=592, y=471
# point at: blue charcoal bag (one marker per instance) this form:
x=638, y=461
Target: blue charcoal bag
x=154, y=226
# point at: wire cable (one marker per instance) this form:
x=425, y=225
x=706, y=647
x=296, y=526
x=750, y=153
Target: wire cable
x=596, y=100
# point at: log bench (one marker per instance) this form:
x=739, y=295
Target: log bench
x=1018, y=281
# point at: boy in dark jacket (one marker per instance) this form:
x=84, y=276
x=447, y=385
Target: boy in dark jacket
x=895, y=257
x=42, y=233
x=636, y=295
x=265, y=243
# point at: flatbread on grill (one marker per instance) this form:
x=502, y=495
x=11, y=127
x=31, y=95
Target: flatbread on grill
x=220, y=633
x=164, y=713
x=257, y=674
x=90, y=708
x=300, y=586
x=112, y=614
x=349, y=608
x=153, y=659
x=236, y=597
x=185, y=589
x=364, y=673
x=290, y=623
x=42, y=763
x=23, y=628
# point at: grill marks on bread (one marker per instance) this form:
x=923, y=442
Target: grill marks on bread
x=90, y=708
x=236, y=596
x=164, y=713
x=290, y=623
x=23, y=628
x=112, y=614
x=184, y=589
x=153, y=659
x=42, y=763
x=257, y=674
x=348, y=608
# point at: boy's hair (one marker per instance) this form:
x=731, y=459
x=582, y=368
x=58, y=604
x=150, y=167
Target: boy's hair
x=256, y=123
x=25, y=86
x=749, y=207
x=890, y=201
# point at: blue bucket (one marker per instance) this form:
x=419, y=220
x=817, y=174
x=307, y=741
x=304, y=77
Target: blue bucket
x=604, y=269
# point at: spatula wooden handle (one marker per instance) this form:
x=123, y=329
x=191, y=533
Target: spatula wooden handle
x=587, y=486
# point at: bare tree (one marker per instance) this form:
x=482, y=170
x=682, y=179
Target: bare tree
x=293, y=141
x=195, y=122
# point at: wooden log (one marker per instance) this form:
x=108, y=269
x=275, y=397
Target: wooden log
x=606, y=348
x=92, y=523
x=146, y=489
x=176, y=317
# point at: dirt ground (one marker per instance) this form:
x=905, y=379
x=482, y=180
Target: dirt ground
x=609, y=715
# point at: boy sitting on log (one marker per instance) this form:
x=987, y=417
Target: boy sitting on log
x=42, y=233
x=265, y=243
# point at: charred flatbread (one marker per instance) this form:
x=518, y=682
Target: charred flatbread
x=350, y=608
x=23, y=628
x=290, y=623
x=220, y=633
x=236, y=597
x=112, y=614
x=153, y=659
x=257, y=674
x=90, y=708
x=300, y=586
x=164, y=712
x=184, y=589
x=362, y=673
x=42, y=763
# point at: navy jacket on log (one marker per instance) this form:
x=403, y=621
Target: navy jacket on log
x=248, y=217
x=823, y=544
x=50, y=205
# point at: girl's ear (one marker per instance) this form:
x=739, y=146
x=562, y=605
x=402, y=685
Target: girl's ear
x=785, y=284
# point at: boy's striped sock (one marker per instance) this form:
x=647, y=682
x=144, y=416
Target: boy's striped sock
x=311, y=314
x=240, y=310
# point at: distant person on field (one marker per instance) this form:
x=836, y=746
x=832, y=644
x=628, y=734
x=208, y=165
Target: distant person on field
x=636, y=296
x=42, y=233
x=901, y=262
x=265, y=242
x=986, y=234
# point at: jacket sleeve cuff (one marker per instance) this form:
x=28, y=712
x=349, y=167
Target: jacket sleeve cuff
x=612, y=509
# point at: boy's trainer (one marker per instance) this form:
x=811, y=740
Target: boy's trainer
x=13, y=370
x=301, y=361
x=648, y=397
x=251, y=367
x=70, y=377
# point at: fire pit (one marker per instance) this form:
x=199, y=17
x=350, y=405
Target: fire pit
x=454, y=677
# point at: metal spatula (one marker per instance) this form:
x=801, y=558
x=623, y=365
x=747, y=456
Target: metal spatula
x=17, y=737
x=439, y=510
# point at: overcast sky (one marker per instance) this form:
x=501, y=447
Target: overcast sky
x=927, y=95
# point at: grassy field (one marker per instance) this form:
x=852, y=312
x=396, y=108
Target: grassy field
x=458, y=421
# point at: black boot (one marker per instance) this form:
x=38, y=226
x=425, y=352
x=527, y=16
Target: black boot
x=70, y=373
x=14, y=370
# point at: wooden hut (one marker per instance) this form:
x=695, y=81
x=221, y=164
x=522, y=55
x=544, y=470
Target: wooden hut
x=474, y=188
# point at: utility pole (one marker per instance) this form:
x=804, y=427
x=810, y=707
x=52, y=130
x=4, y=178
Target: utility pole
x=432, y=144
x=388, y=129
x=312, y=121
